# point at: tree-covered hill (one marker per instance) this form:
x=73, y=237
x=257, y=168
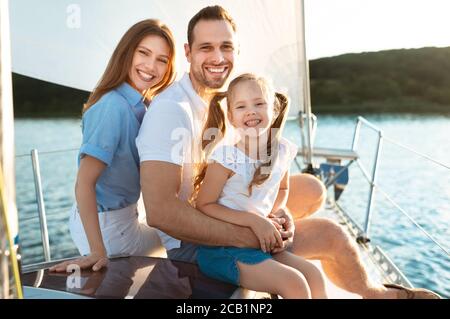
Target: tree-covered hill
x=37, y=98
x=406, y=80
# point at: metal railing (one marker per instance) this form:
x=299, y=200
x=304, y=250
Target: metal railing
x=362, y=121
x=42, y=215
x=304, y=123
x=374, y=186
x=41, y=204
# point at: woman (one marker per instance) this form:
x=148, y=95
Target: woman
x=104, y=221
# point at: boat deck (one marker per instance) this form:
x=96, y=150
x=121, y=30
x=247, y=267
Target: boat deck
x=379, y=267
x=157, y=277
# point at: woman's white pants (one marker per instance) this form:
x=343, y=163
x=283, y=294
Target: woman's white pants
x=123, y=234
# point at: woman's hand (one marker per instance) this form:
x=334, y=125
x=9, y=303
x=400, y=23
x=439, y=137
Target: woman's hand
x=95, y=260
x=268, y=234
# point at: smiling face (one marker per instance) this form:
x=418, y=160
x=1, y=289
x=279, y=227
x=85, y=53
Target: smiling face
x=150, y=63
x=249, y=108
x=211, y=54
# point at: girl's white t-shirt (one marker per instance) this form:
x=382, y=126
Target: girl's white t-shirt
x=235, y=194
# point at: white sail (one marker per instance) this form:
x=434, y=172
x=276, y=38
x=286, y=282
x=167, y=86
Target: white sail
x=70, y=43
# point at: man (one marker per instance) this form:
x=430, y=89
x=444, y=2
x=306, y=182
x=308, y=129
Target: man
x=166, y=173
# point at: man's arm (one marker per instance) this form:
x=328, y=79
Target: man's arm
x=160, y=182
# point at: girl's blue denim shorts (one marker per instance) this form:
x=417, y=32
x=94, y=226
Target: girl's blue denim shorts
x=221, y=262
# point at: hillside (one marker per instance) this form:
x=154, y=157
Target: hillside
x=35, y=98
x=407, y=80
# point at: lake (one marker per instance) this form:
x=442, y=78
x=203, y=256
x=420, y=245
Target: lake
x=420, y=187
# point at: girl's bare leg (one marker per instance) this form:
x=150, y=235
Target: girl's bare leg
x=273, y=277
x=312, y=274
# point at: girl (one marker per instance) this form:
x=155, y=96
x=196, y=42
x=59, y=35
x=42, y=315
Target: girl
x=243, y=187
x=104, y=221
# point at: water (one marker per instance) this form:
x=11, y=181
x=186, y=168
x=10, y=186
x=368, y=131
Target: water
x=419, y=187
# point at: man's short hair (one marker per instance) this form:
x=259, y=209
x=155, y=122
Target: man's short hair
x=209, y=13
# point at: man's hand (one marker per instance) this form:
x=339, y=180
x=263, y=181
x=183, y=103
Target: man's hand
x=284, y=219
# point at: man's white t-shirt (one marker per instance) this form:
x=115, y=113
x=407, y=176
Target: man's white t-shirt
x=171, y=132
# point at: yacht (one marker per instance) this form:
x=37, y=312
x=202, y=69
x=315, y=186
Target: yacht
x=76, y=41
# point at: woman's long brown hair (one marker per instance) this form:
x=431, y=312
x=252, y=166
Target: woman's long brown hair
x=216, y=120
x=119, y=65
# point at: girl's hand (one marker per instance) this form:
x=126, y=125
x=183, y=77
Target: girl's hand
x=95, y=260
x=284, y=221
x=268, y=234
x=284, y=217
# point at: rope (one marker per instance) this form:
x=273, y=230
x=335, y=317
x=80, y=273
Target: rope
x=12, y=252
x=412, y=220
x=417, y=153
x=50, y=152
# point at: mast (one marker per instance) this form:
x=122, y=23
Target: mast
x=10, y=286
x=305, y=89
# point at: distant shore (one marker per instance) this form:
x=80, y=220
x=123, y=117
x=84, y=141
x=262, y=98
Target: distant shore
x=394, y=81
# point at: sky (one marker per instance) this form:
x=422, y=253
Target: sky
x=335, y=27
x=69, y=42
